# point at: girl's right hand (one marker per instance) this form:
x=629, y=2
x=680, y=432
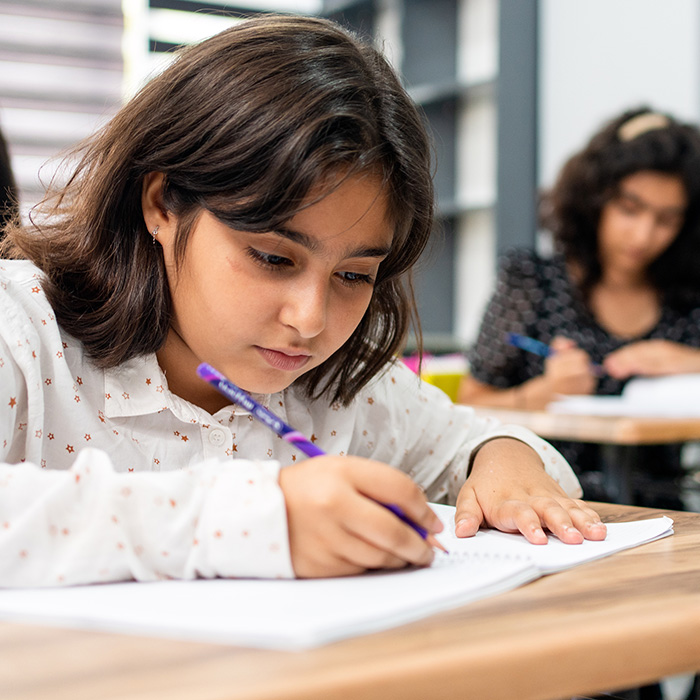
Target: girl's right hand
x=568, y=370
x=337, y=526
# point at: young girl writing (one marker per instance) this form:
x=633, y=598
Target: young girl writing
x=258, y=206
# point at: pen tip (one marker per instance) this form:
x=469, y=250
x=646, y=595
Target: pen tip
x=434, y=543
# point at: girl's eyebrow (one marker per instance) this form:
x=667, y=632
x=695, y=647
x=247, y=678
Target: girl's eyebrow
x=296, y=237
x=626, y=194
x=312, y=244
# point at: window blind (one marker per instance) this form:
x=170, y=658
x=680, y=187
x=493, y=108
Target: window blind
x=67, y=65
x=61, y=72
x=172, y=23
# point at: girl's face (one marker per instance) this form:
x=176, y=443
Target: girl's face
x=640, y=222
x=264, y=308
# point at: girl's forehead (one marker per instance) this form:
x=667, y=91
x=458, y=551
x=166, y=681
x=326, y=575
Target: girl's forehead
x=655, y=189
x=357, y=206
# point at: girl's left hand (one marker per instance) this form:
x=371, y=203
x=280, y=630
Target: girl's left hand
x=508, y=489
x=652, y=358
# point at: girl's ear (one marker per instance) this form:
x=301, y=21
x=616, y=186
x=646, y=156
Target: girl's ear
x=155, y=215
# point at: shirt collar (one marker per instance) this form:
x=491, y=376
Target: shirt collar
x=138, y=387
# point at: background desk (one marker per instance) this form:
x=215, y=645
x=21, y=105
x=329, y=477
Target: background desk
x=619, y=622
x=620, y=435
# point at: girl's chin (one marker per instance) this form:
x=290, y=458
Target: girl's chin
x=265, y=387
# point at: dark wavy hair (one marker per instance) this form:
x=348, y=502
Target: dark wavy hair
x=571, y=210
x=243, y=125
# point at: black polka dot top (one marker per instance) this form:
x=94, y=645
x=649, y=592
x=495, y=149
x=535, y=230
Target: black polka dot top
x=535, y=297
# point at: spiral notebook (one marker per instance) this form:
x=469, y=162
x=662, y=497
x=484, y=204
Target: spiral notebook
x=300, y=614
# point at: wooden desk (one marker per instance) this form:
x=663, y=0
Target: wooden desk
x=615, y=430
x=620, y=435
x=615, y=623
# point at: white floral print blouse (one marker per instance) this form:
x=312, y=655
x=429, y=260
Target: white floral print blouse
x=107, y=475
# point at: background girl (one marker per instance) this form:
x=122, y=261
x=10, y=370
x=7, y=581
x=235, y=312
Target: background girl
x=622, y=289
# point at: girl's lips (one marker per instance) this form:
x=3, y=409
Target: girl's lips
x=281, y=360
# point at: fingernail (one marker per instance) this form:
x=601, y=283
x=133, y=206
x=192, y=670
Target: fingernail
x=573, y=532
x=462, y=525
x=437, y=526
x=538, y=532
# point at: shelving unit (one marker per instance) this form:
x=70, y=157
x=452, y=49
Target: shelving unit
x=471, y=66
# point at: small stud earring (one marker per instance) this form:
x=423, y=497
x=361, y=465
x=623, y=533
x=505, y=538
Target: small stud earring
x=154, y=233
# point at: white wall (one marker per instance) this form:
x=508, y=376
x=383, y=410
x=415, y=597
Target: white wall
x=598, y=57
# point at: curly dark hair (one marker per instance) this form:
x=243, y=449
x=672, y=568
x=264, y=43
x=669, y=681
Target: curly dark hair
x=244, y=125
x=639, y=139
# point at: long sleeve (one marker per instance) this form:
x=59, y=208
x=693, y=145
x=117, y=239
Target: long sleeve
x=413, y=426
x=92, y=524
x=441, y=438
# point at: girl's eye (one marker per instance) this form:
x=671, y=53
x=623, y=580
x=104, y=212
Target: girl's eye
x=268, y=260
x=278, y=263
x=352, y=279
x=670, y=221
x=628, y=207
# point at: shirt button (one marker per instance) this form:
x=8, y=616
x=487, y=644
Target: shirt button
x=217, y=437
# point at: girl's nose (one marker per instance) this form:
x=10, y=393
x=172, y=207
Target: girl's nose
x=305, y=309
x=644, y=228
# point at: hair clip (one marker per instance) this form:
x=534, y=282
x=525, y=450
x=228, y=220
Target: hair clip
x=636, y=126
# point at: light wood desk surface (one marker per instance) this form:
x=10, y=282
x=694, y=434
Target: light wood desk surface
x=618, y=430
x=621, y=436
x=614, y=623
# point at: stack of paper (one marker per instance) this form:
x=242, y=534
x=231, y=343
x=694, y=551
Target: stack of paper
x=672, y=396
x=298, y=614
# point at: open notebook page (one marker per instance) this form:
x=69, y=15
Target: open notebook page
x=298, y=614
x=555, y=555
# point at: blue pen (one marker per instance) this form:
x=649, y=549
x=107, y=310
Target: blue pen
x=286, y=432
x=537, y=347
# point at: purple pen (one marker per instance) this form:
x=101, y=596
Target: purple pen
x=242, y=398
x=286, y=432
